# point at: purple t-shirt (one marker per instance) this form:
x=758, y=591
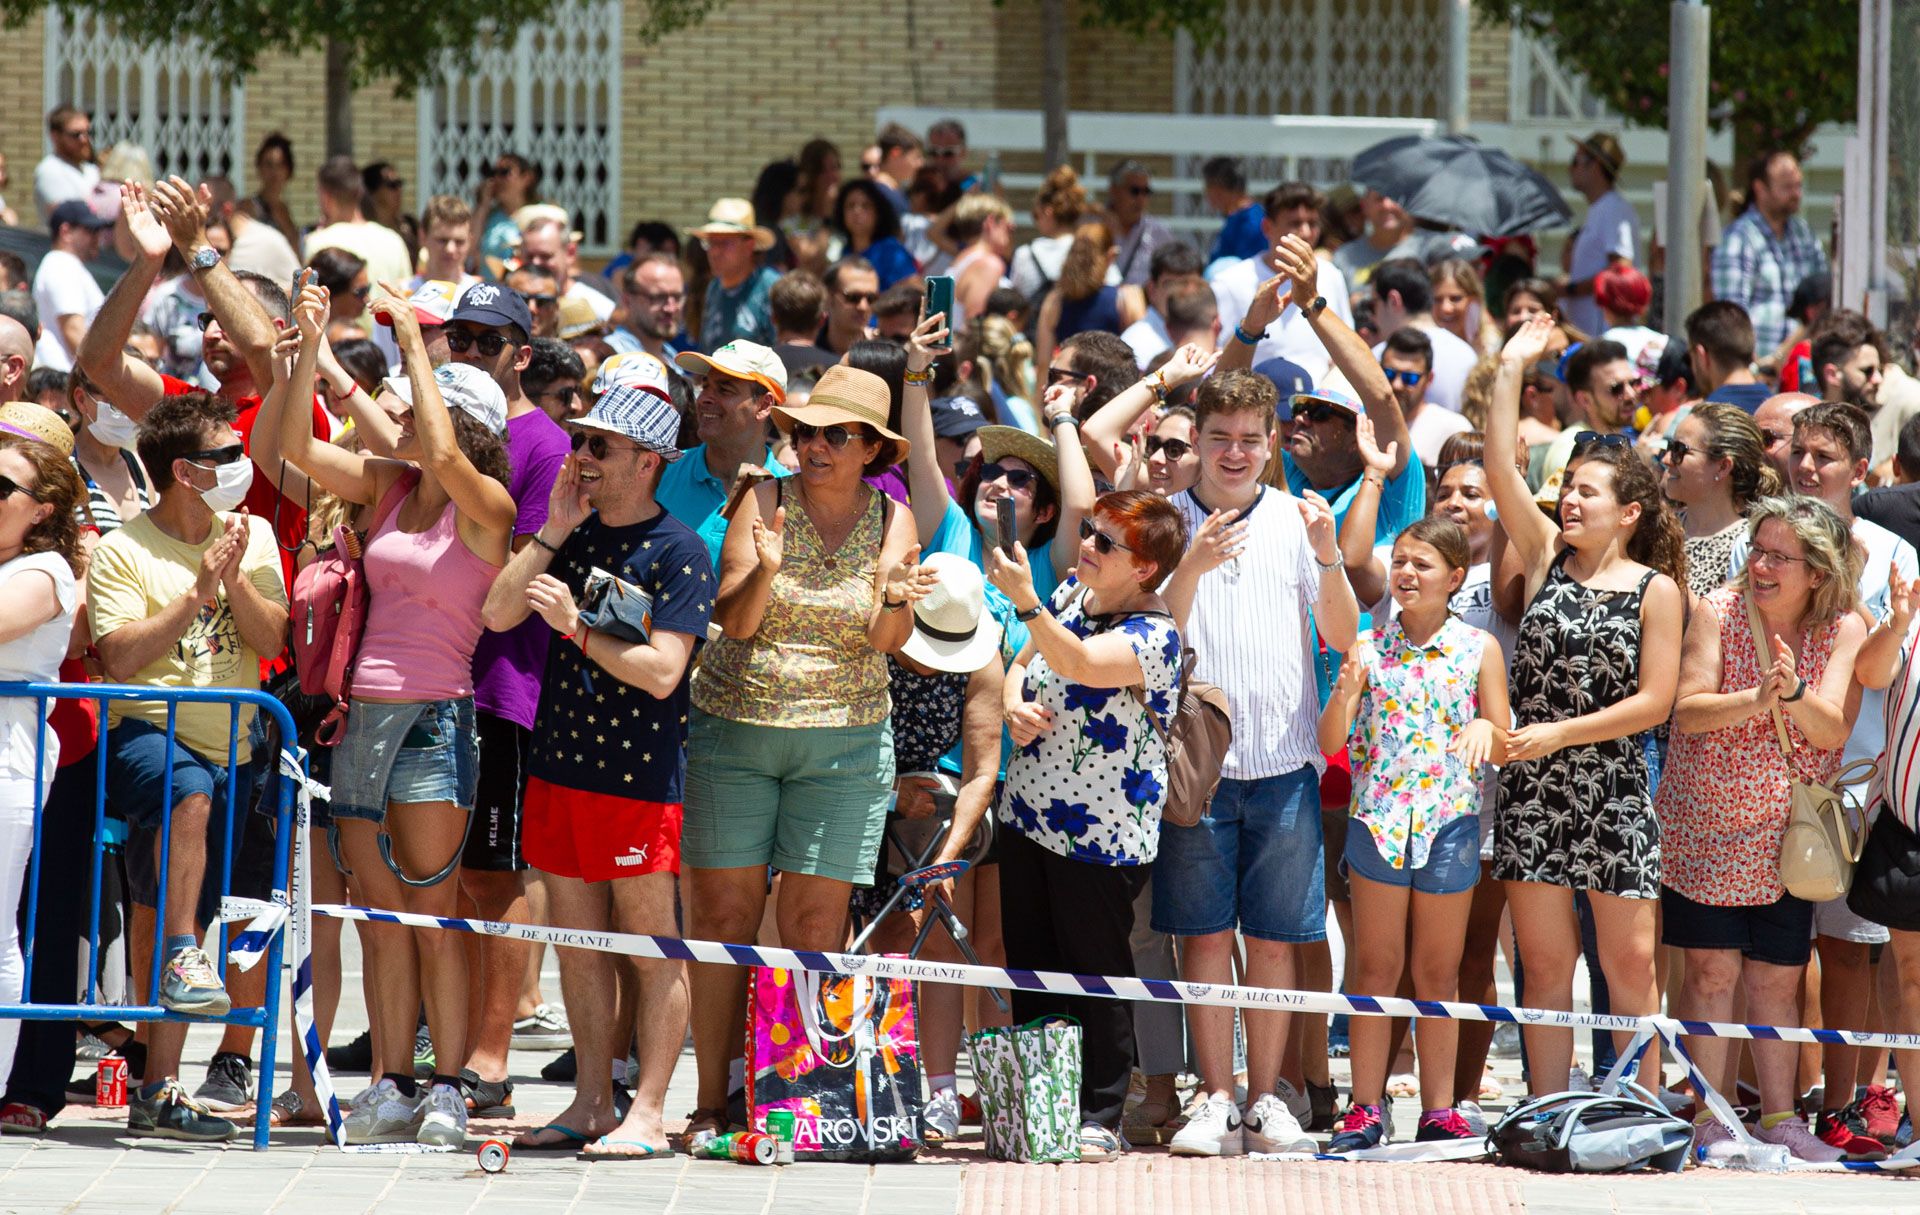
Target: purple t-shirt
x=507, y=666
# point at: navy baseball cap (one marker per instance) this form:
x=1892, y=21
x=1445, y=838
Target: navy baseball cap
x=77, y=214
x=493, y=304
x=1289, y=377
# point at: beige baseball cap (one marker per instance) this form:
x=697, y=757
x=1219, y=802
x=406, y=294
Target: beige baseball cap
x=742, y=360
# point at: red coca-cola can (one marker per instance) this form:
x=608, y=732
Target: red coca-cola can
x=110, y=1083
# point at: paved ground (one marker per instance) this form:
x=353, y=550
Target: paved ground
x=87, y=1167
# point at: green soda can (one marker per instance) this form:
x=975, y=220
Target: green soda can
x=781, y=1125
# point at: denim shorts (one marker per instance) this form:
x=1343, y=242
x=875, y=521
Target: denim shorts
x=810, y=800
x=136, y=770
x=1255, y=863
x=1779, y=933
x=401, y=754
x=1453, y=859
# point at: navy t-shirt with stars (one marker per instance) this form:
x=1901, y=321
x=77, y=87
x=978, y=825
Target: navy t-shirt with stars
x=594, y=732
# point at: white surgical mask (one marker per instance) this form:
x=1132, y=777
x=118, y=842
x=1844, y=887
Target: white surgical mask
x=230, y=485
x=112, y=427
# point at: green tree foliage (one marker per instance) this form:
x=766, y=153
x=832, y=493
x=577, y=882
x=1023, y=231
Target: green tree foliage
x=1779, y=67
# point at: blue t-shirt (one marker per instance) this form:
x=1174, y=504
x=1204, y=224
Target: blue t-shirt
x=1747, y=396
x=595, y=733
x=744, y=312
x=693, y=495
x=890, y=261
x=1241, y=236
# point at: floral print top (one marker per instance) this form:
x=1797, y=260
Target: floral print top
x=1091, y=787
x=1418, y=698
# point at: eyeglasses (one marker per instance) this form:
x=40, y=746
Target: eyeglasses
x=1139, y=191
x=1770, y=437
x=657, y=299
x=9, y=487
x=1756, y=554
x=1062, y=375
x=1176, y=449
x=1102, y=543
x=947, y=153
x=391, y=183
x=1319, y=411
x=79, y=133
x=1405, y=379
x=836, y=435
x=1676, y=452
x=564, y=393
x=462, y=340
x=1593, y=438
x=1017, y=478
x=217, y=455
x=857, y=298
x=597, y=445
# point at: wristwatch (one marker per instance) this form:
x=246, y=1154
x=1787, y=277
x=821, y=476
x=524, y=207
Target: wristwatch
x=1318, y=306
x=1030, y=613
x=206, y=257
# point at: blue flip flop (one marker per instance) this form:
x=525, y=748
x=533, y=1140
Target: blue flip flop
x=646, y=1152
x=570, y=1140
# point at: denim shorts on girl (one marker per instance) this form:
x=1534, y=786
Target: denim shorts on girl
x=1453, y=859
x=403, y=754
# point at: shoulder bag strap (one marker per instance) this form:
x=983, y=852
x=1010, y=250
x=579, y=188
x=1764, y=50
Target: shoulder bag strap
x=396, y=494
x=1760, y=660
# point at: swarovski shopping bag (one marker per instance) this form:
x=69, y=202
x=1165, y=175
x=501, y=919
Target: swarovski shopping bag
x=842, y=1053
x=1029, y=1081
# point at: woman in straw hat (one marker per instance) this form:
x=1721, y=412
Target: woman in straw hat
x=790, y=751
x=946, y=686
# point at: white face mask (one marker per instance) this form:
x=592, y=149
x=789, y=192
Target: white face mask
x=230, y=485
x=112, y=427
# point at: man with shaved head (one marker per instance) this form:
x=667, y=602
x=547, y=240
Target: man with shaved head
x=16, y=356
x=1775, y=420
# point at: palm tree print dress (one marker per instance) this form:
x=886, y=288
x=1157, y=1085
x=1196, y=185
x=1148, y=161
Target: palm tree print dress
x=1581, y=817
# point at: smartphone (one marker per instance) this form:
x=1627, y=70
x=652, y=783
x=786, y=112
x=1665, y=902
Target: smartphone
x=990, y=176
x=301, y=278
x=940, y=300
x=1004, y=519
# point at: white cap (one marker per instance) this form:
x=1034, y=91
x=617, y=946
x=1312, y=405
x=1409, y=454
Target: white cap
x=463, y=387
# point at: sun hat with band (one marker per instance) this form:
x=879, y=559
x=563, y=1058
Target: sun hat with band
x=742, y=360
x=847, y=396
x=29, y=421
x=735, y=217
x=635, y=412
x=952, y=629
x=999, y=441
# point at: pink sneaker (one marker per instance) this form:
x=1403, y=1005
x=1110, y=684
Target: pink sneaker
x=1794, y=1135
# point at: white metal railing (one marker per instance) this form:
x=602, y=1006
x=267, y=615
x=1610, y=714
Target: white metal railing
x=171, y=100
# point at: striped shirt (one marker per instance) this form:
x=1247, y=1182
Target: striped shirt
x=1896, y=780
x=1250, y=636
x=101, y=510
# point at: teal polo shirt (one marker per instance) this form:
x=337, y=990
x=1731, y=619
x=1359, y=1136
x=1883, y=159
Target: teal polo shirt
x=692, y=494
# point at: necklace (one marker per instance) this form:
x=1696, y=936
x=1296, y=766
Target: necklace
x=828, y=559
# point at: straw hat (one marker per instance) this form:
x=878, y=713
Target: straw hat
x=31, y=421
x=735, y=217
x=998, y=441
x=847, y=395
x=951, y=628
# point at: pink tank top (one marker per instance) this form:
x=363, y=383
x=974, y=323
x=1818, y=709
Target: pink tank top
x=425, y=591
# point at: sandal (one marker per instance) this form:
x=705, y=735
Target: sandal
x=704, y=1124
x=19, y=1118
x=486, y=1098
x=290, y=1109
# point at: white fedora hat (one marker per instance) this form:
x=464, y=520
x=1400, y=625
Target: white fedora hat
x=951, y=628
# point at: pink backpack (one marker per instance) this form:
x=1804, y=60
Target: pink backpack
x=330, y=613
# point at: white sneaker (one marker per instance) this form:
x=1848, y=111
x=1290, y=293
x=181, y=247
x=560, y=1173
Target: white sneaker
x=1794, y=1135
x=443, y=1120
x=395, y=1119
x=1298, y=1103
x=1272, y=1127
x=1213, y=1129
x=1475, y=1116
x=359, y=1120
x=941, y=1118
x=1578, y=1081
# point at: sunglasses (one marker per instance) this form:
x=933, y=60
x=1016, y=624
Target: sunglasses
x=1676, y=452
x=1102, y=543
x=1176, y=449
x=1017, y=478
x=1593, y=438
x=1140, y=191
x=836, y=435
x=9, y=487
x=1062, y=375
x=947, y=153
x=391, y=183
x=217, y=455
x=857, y=298
x=1770, y=437
x=1406, y=379
x=1318, y=412
x=597, y=445
x=461, y=340
x=203, y=320
x=565, y=393
x=1622, y=389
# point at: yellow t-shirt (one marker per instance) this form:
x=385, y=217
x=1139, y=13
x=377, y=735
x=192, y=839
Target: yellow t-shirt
x=135, y=573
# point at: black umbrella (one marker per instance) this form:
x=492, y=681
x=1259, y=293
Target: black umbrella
x=1461, y=183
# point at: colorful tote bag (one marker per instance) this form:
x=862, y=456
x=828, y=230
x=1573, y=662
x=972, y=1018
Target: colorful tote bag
x=1029, y=1081
x=840, y=1051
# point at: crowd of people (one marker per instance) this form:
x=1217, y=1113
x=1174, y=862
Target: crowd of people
x=697, y=580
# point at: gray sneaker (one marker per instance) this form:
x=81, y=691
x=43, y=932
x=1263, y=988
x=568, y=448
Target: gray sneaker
x=229, y=1084
x=171, y=1114
x=188, y=984
x=546, y=1029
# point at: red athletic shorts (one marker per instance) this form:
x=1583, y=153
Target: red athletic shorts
x=596, y=837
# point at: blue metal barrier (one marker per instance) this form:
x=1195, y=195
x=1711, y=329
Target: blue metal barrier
x=265, y=1018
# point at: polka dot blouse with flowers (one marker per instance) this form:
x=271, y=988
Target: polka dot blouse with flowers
x=1407, y=785
x=1091, y=787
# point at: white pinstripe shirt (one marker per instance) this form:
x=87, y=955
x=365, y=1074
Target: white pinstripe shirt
x=1250, y=636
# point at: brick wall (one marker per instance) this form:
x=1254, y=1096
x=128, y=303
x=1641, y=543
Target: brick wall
x=1489, y=69
x=287, y=94
x=23, y=131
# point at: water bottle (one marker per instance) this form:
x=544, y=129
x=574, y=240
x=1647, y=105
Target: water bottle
x=1748, y=1155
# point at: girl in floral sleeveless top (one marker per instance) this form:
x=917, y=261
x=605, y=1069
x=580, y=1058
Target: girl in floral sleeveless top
x=1420, y=706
